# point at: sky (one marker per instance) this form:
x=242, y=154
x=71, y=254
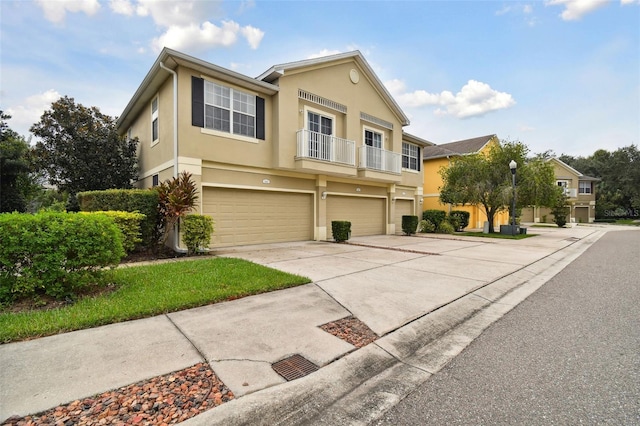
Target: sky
x=559, y=75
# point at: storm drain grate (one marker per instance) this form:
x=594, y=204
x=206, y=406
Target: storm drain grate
x=294, y=367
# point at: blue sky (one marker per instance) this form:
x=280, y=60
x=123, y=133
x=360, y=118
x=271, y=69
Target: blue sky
x=561, y=75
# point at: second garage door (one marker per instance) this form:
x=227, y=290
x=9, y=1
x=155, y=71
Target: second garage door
x=367, y=215
x=254, y=217
x=403, y=208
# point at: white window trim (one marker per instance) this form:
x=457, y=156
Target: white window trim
x=231, y=111
x=374, y=130
x=320, y=112
x=588, y=186
x=417, y=159
x=222, y=134
x=154, y=116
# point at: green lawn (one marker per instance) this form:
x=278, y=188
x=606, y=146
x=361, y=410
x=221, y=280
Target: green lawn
x=144, y=291
x=496, y=235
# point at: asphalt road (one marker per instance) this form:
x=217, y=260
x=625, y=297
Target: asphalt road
x=569, y=354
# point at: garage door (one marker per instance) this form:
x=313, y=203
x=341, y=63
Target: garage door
x=367, y=215
x=526, y=215
x=582, y=214
x=403, y=208
x=254, y=217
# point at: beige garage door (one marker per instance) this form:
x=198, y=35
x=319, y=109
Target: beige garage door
x=403, y=208
x=254, y=217
x=526, y=215
x=367, y=215
x=582, y=214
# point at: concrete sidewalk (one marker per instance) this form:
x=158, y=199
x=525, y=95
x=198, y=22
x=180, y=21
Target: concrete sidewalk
x=410, y=290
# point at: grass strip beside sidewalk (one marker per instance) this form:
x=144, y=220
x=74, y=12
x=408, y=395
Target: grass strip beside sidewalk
x=145, y=291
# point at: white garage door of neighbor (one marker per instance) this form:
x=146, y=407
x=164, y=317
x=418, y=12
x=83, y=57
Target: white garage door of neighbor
x=403, y=208
x=367, y=215
x=244, y=216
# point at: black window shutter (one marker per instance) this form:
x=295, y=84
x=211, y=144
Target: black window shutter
x=197, y=101
x=260, y=118
x=419, y=158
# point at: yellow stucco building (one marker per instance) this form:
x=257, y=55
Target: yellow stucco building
x=439, y=156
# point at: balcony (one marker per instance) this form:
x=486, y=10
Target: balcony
x=379, y=160
x=318, y=146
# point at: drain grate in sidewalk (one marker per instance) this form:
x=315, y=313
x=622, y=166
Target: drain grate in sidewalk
x=294, y=367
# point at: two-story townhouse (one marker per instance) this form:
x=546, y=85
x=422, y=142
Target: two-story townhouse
x=438, y=156
x=580, y=190
x=278, y=157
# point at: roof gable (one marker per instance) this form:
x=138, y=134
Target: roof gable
x=463, y=147
x=277, y=71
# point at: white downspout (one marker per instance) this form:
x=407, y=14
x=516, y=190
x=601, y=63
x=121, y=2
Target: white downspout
x=176, y=235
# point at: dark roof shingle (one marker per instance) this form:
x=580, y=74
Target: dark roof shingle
x=466, y=146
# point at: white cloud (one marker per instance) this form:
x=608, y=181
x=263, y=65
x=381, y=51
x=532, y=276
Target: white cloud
x=474, y=99
x=576, y=9
x=122, y=7
x=626, y=2
x=23, y=116
x=176, y=13
x=56, y=11
x=323, y=52
x=253, y=35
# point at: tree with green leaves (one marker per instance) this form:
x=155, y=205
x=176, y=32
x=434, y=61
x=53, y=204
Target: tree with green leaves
x=486, y=180
x=14, y=168
x=80, y=149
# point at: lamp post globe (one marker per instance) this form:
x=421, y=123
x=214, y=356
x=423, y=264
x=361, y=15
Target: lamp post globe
x=512, y=166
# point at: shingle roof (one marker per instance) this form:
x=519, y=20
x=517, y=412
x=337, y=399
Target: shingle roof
x=466, y=146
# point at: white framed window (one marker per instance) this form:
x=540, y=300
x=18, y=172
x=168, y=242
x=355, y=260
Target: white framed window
x=410, y=156
x=154, y=120
x=229, y=110
x=373, y=141
x=373, y=138
x=562, y=183
x=584, y=187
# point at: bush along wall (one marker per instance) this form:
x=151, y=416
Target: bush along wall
x=143, y=201
x=197, y=230
x=461, y=219
x=129, y=225
x=341, y=230
x=409, y=224
x=55, y=254
x=434, y=216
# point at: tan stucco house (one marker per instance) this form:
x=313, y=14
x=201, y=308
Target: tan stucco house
x=278, y=157
x=436, y=157
x=580, y=190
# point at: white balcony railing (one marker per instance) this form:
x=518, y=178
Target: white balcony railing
x=571, y=192
x=379, y=159
x=319, y=146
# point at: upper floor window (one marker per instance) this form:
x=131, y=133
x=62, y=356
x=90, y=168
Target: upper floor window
x=410, y=156
x=154, y=120
x=584, y=187
x=229, y=110
x=320, y=135
x=373, y=138
x=562, y=183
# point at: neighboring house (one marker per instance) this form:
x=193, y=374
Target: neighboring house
x=579, y=188
x=438, y=156
x=278, y=157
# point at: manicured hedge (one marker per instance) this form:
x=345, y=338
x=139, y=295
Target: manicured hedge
x=197, y=230
x=54, y=253
x=461, y=218
x=409, y=224
x=341, y=230
x=129, y=225
x=144, y=201
x=434, y=216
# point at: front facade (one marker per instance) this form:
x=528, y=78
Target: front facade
x=438, y=156
x=580, y=190
x=278, y=157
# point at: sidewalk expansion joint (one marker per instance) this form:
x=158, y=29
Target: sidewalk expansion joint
x=204, y=358
x=402, y=361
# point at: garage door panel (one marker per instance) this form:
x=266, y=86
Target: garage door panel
x=367, y=215
x=253, y=217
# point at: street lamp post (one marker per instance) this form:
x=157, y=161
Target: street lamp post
x=512, y=166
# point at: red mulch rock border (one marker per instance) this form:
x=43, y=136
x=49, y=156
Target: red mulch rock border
x=351, y=330
x=162, y=400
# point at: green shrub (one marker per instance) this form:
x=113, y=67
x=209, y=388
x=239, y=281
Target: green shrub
x=445, y=228
x=197, y=232
x=55, y=254
x=426, y=226
x=434, y=216
x=462, y=217
x=144, y=201
x=409, y=224
x=129, y=225
x=341, y=230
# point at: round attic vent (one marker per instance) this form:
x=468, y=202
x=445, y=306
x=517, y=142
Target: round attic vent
x=354, y=76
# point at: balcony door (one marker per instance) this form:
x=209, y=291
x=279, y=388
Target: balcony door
x=374, y=154
x=320, y=132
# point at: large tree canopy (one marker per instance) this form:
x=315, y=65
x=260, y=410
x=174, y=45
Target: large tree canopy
x=618, y=192
x=80, y=149
x=14, y=167
x=486, y=180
